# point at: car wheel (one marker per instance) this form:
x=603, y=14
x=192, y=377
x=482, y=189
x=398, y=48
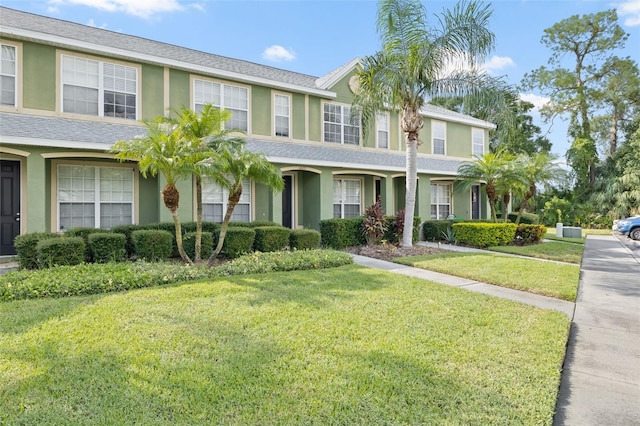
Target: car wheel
x=635, y=234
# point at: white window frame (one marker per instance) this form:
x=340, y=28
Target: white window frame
x=210, y=191
x=224, y=90
x=437, y=189
x=477, y=143
x=5, y=74
x=340, y=199
x=99, y=198
x=436, y=126
x=343, y=127
x=100, y=86
x=382, y=128
x=279, y=114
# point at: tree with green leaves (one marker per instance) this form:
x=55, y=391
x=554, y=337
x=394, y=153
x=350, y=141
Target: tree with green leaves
x=415, y=64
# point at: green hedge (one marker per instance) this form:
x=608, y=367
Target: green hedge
x=529, y=234
x=238, y=241
x=257, y=223
x=127, y=230
x=27, y=248
x=107, y=247
x=433, y=230
x=391, y=230
x=340, y=233
x=484, y=234
x=271, y=238
x=206, y=244
x=259, y=263
x=526, y=218
x=60, y=251
x=304, y=239
x=152, y=244
x=84, y=232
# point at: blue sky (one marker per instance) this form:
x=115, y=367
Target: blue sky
x=316, y=36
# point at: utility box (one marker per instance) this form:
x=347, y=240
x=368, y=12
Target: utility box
x=572, y=232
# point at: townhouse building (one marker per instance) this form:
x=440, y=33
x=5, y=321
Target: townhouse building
x=70, y=91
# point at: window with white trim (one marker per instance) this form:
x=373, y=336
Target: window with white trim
x=215, y=200
x=8, y=75
x=94, y=197
x=281, y=115
x=439, y=137
x=440, y=200
x=234, y=99
x=338, y=125
x=346, y=198
x=382, y=130
x=99, y=88
x=477, y=142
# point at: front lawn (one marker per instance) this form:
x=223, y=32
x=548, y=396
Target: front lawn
x=348, y=345
x=551, y=250
x=545, y=278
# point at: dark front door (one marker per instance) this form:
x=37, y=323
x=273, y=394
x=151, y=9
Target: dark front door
x=287, y=202
x=475, y=202
x=9, y=205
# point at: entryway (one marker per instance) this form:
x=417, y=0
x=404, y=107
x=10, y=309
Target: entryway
x=9, y=205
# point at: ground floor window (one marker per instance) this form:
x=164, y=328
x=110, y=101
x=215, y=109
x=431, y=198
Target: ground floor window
x=215, y=202
x=440, y=200
x=94, y=197
x=346, y=198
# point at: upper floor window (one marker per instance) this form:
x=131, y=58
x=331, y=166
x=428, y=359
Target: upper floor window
x=232, y=98
x=477, y=142
x=281, y=115
x=346, y=198
x=98, y=88
x=439, y=137
x=215, y=200
x=440, y=200
x=382, y=130
x=8, y=75
x=339, y=126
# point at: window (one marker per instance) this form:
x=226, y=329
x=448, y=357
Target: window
x=7, y=75
x=94, y=197
x=98, y=88
x=382, y=129
x=281, y=115
x=232, y=98
x=215, y=201
x=477, y=142
x=440, y=200
x=346, y=198
x=439, y=136
x=338, y=125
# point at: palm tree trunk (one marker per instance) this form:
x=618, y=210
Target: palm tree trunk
x=491, y=195
x=179, y=243
x=232, y=202
x=412, y=123
x=198, y=219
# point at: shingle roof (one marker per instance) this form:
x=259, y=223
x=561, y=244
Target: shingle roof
x=56, y=132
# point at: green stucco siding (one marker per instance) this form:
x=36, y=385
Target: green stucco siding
x=315, y=118
x=310, y=199
x=298, y=116
x=179, y=92
x=425, y=137
x=394, y=131
x=149, y=200
x=458, y=140
x=152, y=91
x=39, y=76
x=260, y=110
x=263, y=206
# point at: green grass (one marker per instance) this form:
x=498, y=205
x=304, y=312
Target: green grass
x=553, y=250
x=545, y=278
x=348, y=345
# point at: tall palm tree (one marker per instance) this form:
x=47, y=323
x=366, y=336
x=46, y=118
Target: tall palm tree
x=413, y=66
x=235, y=164
x=160, y=151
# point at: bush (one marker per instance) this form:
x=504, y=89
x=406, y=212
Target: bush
x=304, y=239
x=271, y=238
x=257, y=223
x=127, y=230
x=392, y=235
x=84, y=233
x=60, y=251
x=484, y=234
x=26, y=248
x=526, y=218
x=529, y=234
x=238, y=241
x=206, y=245
x=239, y=225
x=107, y=247
x=340, y=233
x=373, y=224
x=152, y=244
x=432, y=230
x=258, y=263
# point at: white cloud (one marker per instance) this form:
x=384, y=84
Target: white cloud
x=140, y=8
x=278, y=53
x=537, y=100
x=92, y=23
x=630, y=11
x=497, y=63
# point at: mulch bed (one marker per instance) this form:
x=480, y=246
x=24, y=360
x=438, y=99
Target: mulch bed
x=389, y=251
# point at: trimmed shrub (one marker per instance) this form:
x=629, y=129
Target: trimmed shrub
x=259, y=263
x=127, y=230
x=206, y=247
x=257, y=223
x=391, y=228
x=61, y=251
x=152, y=244
x=27, y=250
x=238, y=241
x=340, y=233
x=304, y=239
x=526, y=218
x=107, y=247
x=433, y=230
x=529, y=234
x=239, y=225
x=271, y=238
x=84, y=233
x=484, y=234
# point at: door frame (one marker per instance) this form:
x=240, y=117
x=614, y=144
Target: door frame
x=21, y=176
x=292, y=200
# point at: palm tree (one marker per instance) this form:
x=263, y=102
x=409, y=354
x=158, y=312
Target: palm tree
x=412, y=67
x=161, y=151
x=235, y=164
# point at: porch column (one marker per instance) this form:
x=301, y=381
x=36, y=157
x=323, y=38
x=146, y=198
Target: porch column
x=36, y=197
